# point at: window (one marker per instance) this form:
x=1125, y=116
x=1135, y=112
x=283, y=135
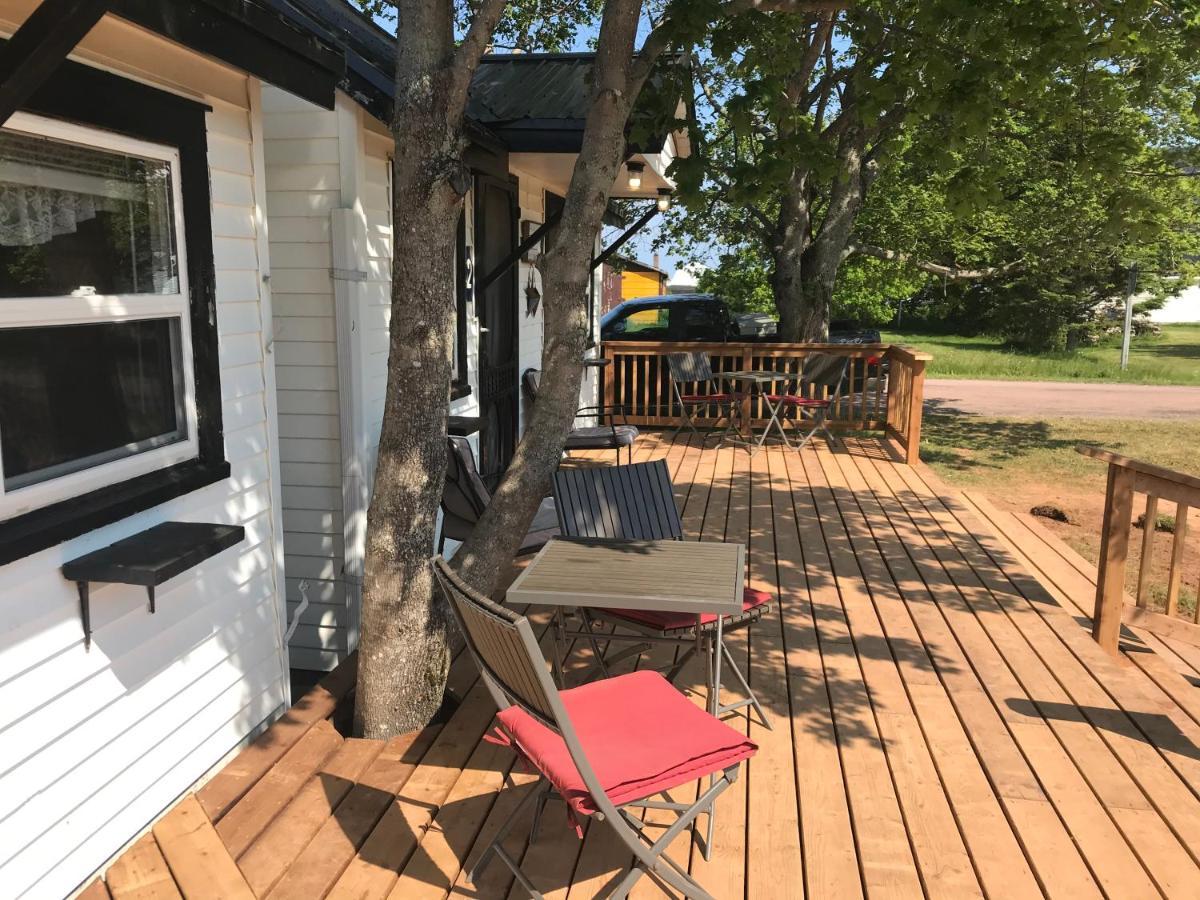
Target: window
x=96, y=386
x=645, y=323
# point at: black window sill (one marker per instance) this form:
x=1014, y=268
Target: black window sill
x=459, y=389
x=47, y=527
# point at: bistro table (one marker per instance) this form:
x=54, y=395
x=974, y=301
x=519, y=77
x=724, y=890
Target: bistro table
x=665, y=576
x=756, y=379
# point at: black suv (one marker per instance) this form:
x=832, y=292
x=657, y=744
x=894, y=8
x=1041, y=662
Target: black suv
x=674, y=317
x=705, y=317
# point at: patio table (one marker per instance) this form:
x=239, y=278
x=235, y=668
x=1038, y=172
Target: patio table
x=756, y=378
x=666, y=576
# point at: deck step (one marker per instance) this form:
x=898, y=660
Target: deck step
x=326, y=856
x=141, y=873
x=263, y=802
x=269, y=856
x=240, y=775
x=199, y=862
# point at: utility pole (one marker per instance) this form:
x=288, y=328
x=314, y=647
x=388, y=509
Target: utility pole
x=1130, y=288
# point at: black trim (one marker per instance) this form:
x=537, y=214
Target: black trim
x=88, y=96
x=248, y=36
x=460, y=387
x=52, y=525
x=40, y=45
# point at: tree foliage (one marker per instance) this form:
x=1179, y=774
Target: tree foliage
x=1033, y=148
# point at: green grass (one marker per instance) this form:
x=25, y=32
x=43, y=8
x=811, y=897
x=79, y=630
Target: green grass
x=1002, y=455
x=1170, y=358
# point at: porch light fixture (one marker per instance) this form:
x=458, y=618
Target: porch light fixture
x=634, y=171
x=664, y=199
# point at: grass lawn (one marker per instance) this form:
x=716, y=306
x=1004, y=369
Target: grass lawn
x=1170, y=358
x=1021, y=464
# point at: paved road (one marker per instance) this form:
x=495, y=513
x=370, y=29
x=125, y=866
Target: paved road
x=1053, y=399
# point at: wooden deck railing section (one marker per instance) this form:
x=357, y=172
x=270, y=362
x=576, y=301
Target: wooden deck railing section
x=1127, y=477
x=875, y=397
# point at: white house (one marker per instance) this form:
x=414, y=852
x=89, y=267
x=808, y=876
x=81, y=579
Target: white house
x=137, y=388
x=195, y=240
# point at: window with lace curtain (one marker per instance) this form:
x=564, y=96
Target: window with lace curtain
x=96, y=378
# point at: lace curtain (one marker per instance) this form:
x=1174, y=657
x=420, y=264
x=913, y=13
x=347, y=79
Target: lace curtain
x=32, y=215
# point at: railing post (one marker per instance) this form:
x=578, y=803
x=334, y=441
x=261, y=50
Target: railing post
x=1175, y=575
x=747, y=365
x=916, y=404
x=1114, y=549
x=607, y=377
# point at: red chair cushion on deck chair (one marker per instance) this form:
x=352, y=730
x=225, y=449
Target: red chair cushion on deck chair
x=676, y=621
x=792, y=400
x=640, y=735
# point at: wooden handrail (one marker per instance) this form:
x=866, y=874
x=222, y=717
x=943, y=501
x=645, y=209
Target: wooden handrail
x=1127, y=477
x=869, y=401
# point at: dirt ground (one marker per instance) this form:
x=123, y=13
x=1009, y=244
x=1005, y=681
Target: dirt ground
x=1022, y=464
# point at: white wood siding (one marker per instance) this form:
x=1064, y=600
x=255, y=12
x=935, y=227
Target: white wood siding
x=95, y=744
x=303, y=181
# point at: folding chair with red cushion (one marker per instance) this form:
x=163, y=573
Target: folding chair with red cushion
x=698, y=390
x=820, y=383
x=637, y=502
x=605, y=748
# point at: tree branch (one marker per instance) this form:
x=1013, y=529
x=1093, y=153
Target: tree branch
x=468, y=53
x=953, y=273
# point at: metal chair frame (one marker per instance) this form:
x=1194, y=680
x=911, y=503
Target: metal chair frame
x=637, y=502
x=514, y=671
x=695, y=369
x=531, y=384
x=464, y=485
x=816, y=370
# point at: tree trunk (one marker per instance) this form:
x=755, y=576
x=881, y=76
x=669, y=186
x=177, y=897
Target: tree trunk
x=566, y=269
x=403, y=650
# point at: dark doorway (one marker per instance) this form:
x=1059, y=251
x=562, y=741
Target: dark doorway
x=495, y=240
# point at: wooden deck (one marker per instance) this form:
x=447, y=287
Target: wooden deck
x=944, y=727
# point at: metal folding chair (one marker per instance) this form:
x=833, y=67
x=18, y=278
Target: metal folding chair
x=822, y=376
x=605, y=748
x=637, y=502
x=464, y=498
x=696, y=388
x=612, y=436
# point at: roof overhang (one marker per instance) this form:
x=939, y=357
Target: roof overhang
x=248, y=36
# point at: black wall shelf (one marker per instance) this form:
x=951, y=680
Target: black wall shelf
x=148, y=559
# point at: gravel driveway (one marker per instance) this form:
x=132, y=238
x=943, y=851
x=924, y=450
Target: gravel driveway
x=1055, y=399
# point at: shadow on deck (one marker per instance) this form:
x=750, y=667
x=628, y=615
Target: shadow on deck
x=945, y=726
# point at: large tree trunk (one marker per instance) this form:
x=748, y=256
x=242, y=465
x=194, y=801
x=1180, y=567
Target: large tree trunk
x=403, y=649
x=565, y=268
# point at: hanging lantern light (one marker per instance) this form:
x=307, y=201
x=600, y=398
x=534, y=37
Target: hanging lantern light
x=664, y=199
x=634, y=172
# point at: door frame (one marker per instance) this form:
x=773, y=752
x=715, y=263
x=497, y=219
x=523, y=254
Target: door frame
x=511, y=186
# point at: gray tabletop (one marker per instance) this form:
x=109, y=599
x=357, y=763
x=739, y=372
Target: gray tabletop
x=666, y=576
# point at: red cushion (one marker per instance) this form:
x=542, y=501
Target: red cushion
x=640, y=735
x=708, y=398
x=792, y=400
x=673, y=621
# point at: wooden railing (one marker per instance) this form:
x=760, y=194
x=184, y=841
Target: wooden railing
x=876, y=397
x=1127, y=477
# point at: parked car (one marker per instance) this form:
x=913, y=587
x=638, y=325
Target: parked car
x=706, y=317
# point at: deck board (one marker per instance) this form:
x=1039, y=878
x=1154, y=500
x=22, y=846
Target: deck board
x=944, y=727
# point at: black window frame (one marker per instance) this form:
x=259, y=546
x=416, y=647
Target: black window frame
x=460, y=385
x=93, y=98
